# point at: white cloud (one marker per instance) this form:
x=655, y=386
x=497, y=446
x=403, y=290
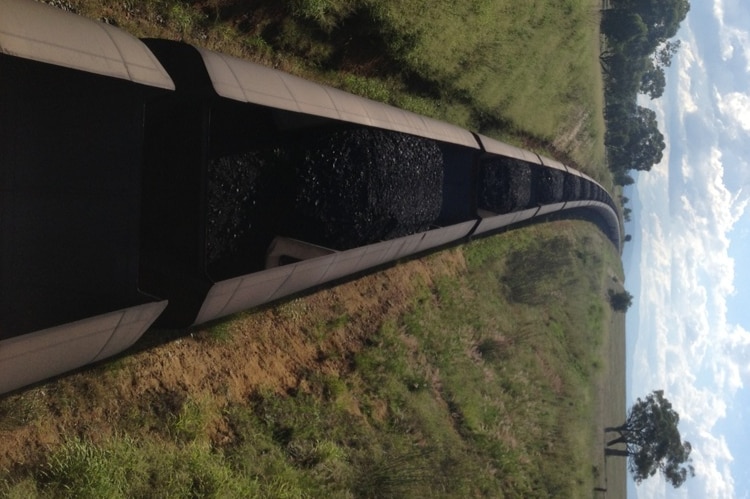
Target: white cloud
x=718, y=9
x=712, y=464
x=685, y=345
x=691, y=203
x=731, y=38
x=686, y=60
x=736, y=107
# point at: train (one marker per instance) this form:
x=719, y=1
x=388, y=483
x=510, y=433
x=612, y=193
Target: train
x=151, y=182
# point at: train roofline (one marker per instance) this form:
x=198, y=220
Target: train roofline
x=32, y=30
x=46, y=353
x=494, y=146
x=245, y=81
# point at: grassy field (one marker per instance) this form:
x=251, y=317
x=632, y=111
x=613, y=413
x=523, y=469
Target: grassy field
x=483, y=371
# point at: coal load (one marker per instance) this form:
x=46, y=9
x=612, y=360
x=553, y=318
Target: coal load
x=585, y=189
x=359, y=186
x=549, y=186
x=572, y=188
x=504, y=185
x=232, y=199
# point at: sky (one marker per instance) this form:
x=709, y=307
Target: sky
x=688, y=265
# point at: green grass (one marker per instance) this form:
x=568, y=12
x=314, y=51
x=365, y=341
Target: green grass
x=509, y=69
x=126, y=467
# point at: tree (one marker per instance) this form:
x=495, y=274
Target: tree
x=622, y=178
x=645, y=142
x=653, y=442
x=638, y=50
x=622, y=26
x=620, y=301
x=653, y=82
x=665, y=54
x=661, y=17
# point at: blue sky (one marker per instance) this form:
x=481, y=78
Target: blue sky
x=688, y=265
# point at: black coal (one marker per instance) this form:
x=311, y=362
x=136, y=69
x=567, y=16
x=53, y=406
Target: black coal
x=550, y=186
x=339, y=188
x=504, y=185
x=572, y=188
x=360, y=186
x=232, y=193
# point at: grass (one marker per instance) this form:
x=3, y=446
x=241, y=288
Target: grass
x=468, y=391
x=18, y=411
x=125, y=467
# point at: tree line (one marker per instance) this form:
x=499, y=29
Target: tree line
x=638, y=49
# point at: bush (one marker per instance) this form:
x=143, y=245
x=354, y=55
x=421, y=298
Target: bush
x=620, y=301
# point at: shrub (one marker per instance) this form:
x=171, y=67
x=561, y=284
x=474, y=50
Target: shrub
x=620, y=301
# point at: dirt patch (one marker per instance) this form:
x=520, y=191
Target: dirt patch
x=271, y=350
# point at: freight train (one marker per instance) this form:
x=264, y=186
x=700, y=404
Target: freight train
x=153, y=182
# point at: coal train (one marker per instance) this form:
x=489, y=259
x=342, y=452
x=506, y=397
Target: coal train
x=150, y=181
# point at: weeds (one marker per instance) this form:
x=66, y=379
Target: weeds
x=190, y=423
x=534, y=274
x=389, y=476
x=20, y=410
x=326, y=14
x=220, y=331
x=367, y=87
x=126, y=467
x=293, y=310
x=493, y=349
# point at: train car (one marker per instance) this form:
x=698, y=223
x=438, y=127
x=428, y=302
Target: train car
x=150, y=180
x=228, y=116
x=72, y=96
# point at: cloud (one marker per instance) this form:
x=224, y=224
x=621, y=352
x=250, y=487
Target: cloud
x=736, y=351
x=733, y=37
x=686, y=61
x=736, y=107
x=712, y=464
x=685, y=344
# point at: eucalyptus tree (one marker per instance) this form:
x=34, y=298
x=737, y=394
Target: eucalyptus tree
x=652, y=441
